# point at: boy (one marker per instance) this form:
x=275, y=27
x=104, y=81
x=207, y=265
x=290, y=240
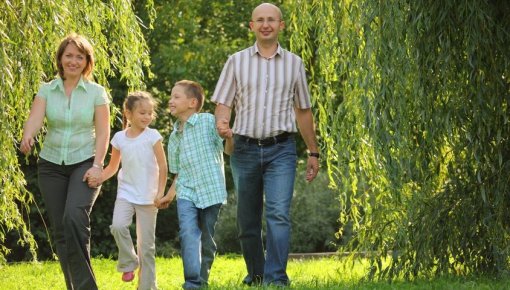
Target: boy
x=195, y=155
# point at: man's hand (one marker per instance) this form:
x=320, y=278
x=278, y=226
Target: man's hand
x=223, y=128
x=312, y=168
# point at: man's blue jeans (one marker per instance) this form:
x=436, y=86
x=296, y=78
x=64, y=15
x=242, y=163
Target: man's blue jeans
x=264, y=174
x=196, y=233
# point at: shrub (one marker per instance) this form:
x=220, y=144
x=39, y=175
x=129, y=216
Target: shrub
x=314, y=214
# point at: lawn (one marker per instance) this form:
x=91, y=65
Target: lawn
x=227, y=273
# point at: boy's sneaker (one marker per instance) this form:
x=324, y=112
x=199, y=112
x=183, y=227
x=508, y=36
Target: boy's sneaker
x=128, y=276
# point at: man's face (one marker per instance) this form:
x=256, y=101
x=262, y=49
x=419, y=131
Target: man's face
x=266, y=23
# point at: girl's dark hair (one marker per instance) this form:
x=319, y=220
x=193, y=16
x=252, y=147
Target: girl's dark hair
x=130, y=104
x=83, y=46
x=193, y=90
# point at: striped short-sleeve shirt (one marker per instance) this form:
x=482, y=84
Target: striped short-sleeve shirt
x=263, y=91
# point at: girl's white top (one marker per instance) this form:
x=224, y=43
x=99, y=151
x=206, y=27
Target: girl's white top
x=138, y=177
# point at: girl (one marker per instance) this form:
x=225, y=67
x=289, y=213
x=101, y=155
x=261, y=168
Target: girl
x=141, y=182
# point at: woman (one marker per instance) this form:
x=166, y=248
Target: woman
x=77, y=114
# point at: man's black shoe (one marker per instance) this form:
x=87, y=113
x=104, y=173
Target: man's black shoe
x=256, y=280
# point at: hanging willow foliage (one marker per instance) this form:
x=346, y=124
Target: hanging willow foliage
x=412, y=100
x=30, y=32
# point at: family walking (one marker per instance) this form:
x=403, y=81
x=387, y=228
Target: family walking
x=266, y=87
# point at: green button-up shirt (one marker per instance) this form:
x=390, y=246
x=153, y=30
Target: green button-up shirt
x=196, y=155
x=71, y=133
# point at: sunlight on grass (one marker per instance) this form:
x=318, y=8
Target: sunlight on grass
x=228, y=272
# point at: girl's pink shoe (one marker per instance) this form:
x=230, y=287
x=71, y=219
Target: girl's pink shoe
x=128, y=276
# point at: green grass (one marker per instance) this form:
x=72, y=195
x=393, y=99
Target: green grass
x=228, y=272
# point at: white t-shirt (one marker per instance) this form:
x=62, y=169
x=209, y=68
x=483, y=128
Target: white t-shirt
x=138, y=177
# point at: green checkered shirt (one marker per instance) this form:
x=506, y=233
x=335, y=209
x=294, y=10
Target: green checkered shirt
x=71, y=136
x=196, y=155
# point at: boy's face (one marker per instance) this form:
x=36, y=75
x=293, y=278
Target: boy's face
x=179, y=104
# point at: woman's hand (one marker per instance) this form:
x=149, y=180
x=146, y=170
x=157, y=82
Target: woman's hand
x=27, y=142
x=33, y=124
x=93, y=177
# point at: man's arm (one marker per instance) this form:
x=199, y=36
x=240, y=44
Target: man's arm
x=222, y=114
x=304, y=118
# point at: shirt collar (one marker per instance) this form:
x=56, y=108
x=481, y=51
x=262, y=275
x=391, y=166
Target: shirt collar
x=191, y=120
x=255, y=50
x=59, y=83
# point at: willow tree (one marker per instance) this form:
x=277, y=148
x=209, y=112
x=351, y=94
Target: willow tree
x=30, y=32
x=413, y=111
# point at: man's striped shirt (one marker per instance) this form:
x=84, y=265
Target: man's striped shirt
x=263, y=91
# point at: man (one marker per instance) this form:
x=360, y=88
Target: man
x=267, y=86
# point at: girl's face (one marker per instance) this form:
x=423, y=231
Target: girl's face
x=73, y=61
x=142, y=115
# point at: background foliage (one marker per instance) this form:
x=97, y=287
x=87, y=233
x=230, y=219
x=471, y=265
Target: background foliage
x=29, y=34
x=184, y=43
x=413, y=111
x=411, y=102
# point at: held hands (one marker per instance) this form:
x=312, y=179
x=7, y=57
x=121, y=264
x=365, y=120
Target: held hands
x=165, y=201
x=224, y=128
x=93, y=177
x=226, y=133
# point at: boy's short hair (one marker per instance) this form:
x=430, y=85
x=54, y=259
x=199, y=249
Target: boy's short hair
x=193, y=90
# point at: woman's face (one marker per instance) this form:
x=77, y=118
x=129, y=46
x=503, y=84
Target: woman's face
x=73, y=61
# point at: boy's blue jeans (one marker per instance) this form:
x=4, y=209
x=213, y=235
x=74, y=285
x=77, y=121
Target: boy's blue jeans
x=196, y=233
x=264, y=174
